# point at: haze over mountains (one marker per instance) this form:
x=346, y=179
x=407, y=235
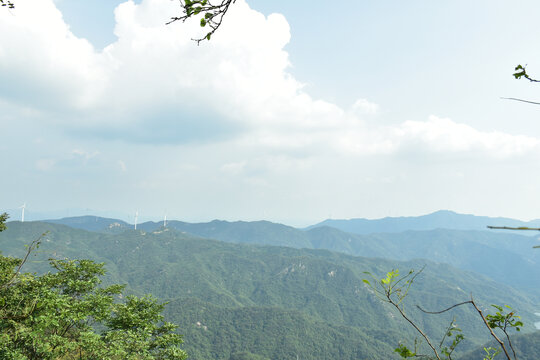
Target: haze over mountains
x=504, y=256
x=261, y=290
x=442, y=219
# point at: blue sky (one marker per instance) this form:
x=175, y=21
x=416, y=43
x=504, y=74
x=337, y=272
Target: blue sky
x=294, y=112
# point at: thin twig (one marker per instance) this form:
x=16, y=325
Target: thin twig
x=445, y=310
x=31, y=247
x=419, y=330
x=525, y=101
x=512, y=228
x=501, y=343
x=413, y=325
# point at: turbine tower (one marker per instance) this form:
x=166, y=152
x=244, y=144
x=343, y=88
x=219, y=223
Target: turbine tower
x=165, y=220
x=136, y=217
x=22, y=211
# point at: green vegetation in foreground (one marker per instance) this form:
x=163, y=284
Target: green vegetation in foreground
x=56, y=315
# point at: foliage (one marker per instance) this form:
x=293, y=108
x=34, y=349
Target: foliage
x=57, y=315
x=211, y=14
x=521, y=72
x=7, y=3
x=3, y=219
x=393, y=289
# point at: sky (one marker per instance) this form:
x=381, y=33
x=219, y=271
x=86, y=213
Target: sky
x=294, y=112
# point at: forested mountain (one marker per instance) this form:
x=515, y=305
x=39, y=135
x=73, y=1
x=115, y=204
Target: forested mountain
x=231, y=300
x=92, y=223
x=504, y=256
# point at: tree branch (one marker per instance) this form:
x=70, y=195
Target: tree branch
x=525, y=101
x=501, y=343
x=31, y=248
x=212, y=14
x=512, y=228
x=7, y=3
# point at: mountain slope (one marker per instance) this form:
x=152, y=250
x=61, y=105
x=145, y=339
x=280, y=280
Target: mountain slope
x=241, y=281
x=506, y=257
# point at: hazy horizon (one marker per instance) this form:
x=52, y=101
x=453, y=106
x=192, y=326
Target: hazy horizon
x=389, y=109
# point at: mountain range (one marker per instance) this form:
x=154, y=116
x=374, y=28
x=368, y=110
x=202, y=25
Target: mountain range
x=504, y=256
x=260, y=290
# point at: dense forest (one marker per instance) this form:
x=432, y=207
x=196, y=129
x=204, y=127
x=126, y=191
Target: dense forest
x=239, y=300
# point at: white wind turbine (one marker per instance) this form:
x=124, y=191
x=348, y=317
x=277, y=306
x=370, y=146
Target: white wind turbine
x=22, y=211
x=165, y=220
x=136, y=217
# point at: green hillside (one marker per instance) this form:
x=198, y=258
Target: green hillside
x=304, y=289
x=215, y=332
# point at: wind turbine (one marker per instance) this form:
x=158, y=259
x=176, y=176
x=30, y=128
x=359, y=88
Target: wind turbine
x=22, y=212
x=136, y=217
x=165, y=220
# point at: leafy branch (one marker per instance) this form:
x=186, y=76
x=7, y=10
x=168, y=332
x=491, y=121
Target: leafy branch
x=212, y=14
x=393, y=289
x=521, y=72
x=7, y=3
x=389, y=290
x=498, y=321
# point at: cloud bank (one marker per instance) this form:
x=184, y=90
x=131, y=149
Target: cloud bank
x=154, y=85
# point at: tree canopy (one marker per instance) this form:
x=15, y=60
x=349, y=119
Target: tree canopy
x=66, y=314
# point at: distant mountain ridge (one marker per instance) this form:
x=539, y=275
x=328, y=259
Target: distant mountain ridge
x=92, y=223
x=442, y=219
x=506, y=257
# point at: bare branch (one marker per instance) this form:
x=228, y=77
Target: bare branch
x=525, y=101
x=416, y=327
x=512, y=228
x=30, y=248
x=442, y=311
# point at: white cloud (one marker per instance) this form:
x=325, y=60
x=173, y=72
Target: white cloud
x=155, y=85
x=363, y=106
x=42, y=63
x=444, y=135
